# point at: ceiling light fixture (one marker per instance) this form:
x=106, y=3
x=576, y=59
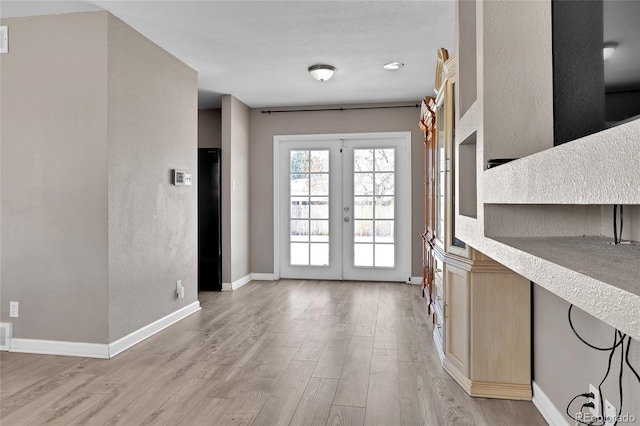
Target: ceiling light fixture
x=393, y=66
x=608, y=50
x=321, y=72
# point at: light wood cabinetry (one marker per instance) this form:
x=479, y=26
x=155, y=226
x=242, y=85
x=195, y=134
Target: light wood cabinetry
x=480, y=309
x=457, y=318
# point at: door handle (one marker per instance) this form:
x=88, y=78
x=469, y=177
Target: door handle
x=346, y=219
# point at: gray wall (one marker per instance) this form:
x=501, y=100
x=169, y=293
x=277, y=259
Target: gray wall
x=152, y=224
x=265, y=126
x=94, y=116
x=53, y=107
x=564, y=366
x=502, y=79
x=236, y=236
x=209, y=128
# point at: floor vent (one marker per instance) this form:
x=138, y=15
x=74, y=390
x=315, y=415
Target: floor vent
x=5, y=336
x=4, y=39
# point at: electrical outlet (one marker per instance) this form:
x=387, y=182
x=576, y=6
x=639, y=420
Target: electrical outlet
x=610, y=413
x=179, y=288
x=595, y=412
x=13, y=309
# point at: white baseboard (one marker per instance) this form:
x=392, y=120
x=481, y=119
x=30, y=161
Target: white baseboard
x=149, y=330
x=98, y=350
x=257, y=276
x=56, y=347
x=242, y=281
x=551, y=414
x=237, y=283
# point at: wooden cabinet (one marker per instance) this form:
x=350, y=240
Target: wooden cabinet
x=487, y=311
x=439, y=309
x=457, y=318
x=481, y=309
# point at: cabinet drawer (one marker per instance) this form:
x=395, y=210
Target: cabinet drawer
x=439, y=320
x=437, y=267
x=438, y=293
x=438, y=327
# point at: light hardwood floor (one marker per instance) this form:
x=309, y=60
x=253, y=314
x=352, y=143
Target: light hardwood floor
x=271, y=353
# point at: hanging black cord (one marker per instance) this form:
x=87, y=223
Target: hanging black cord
x=615, y=342
x=581, y=408
x=621, y=212
x=629, y=362
x=619, y=380
x=615, y=225
x=618, y=340
x=617, y=236
x=611, y=354
x=616, y=335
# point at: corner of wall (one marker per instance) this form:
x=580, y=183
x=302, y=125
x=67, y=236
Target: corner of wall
x=152, y=224
x=54, y=177
x=236, y=234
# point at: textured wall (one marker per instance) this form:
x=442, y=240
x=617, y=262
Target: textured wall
x=564, y=366
x=54, y=177
x=601, y=168
x=466, y=67
x=240, y=205
x=235, y=190
x=152, y=129
x=518, y=108
x=531, y=220
x=209, y=128
x=265, y=126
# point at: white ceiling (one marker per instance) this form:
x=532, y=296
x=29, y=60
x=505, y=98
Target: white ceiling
x=259, y=51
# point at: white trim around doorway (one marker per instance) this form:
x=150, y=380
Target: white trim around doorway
x=277, y=140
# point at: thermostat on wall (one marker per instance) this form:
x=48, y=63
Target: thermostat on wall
x=181, y=178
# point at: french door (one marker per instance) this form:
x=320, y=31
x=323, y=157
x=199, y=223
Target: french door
x=343, y=208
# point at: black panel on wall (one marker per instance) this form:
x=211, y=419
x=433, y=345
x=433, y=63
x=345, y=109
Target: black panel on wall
x=209, y=220
x=578, y=69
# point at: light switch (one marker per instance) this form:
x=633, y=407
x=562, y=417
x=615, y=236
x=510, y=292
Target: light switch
x=13, y=309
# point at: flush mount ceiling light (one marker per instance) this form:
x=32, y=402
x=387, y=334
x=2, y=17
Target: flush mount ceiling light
x=608, y=50
x=321, y=72
x=393, y=66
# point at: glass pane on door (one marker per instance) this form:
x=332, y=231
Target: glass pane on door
x=374, y=208
x=309, y=207
x=440, y=175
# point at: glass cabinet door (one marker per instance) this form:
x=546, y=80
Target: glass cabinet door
x=441, y=177
x=451, y=87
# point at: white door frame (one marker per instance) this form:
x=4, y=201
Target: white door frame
x=277, y=139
